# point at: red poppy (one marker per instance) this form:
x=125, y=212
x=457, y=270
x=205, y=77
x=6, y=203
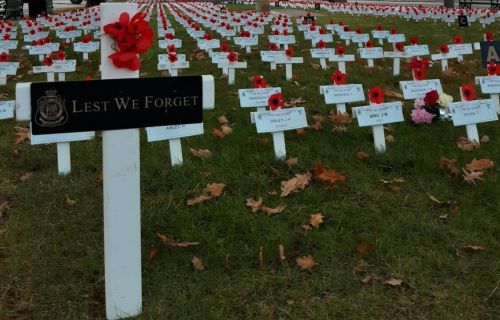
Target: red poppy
x=207, y=36
x=376, y=95
x=171, y=48
x=32, y=31
x=338, y=78
x=419, y=73
x=6, y=36
x=276, y=32
x=122, y=59
x=394, y=31
x=232, y=57
x=321, y=44
x=331, y=21
x=289, y=52
x=493, y=69
x=369, y=44
x=341, y=23
x=259, y=82
x=468, y=92
x=169, y=36
x=224, y=47
x=346, y=28
x=431, y=98
x=322, y=31
x=245, y=34
x=312, y=28
x=489, y=36
x=285, y=32
x=4, y=57
x=59, y=55
x=443, y=48
x=413, y=40
x=458, y=40
x=275, y=101
x=48, y=61
x=399, y=46
x=87, y=38
x=339, y=50
x=172, y=57
x=88, y=78
x=358, y=30
x=379, y=27
x=272, y=46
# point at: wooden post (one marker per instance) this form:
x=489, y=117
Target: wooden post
x=121, y=184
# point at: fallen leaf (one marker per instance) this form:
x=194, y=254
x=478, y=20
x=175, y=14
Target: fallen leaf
x=466, y=145
x=198, y=264
x=393, y=282
x=315, y=126
x=389, y=138
x=366, y=279
x=300, y=131
x=362, y=155
x=365, y=247
x=479, y=165
x=70, y=202
x=263, y=141
x=22, y=134
x=306, y=262
x=198, y=199
x=222, y=120
x=299, y=182
x=254, y=205
x=271, y=211
x=341, y=118
x=153, y=252
x=206, y=174
x=292, y=161
x=222, y=132
x=433, y=198
x=315, y=66
x=319, y=118
x=201, y=153
x=327, y=175
x=25, y=177
x=339, y=128
x=172, y=243
x=4, y=206
x=215, y=189
x=395, y=180
x=281, y=250
x=294, y=102
x=443, y=216
x=472, y=176
x=485, y=139
x=449, y=164
x=272, y=193
x=315, y=219
x=226, y=260
x=393, y=94
x=473, y=248
x=261, y=257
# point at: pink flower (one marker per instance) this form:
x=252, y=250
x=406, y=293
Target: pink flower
x=419, y=103
x=420, y=115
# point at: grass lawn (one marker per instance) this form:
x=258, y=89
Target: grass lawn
x=51, y=251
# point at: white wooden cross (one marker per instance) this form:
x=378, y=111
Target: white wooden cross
x=7, y=69
x=322, y=55
x=396, y=57
x=443, y=57
x=370, y=54
x=256, y=98
x=415, y=89
x=86, y=48
x=271, y=57
x=288, y=62
x=341, y=60
x=342, y=94
x=376, y=115
x=491, y=85
x=231, y=66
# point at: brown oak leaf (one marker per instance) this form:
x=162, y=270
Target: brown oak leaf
x=327, y=175
x=197, y=264
x=299, y=182
x=449, y=165
x=201, y=153
x=472, y=176
x=315, y=219
x=393, y=282
x=466, y=145
x=479, y=165
x=306, y=262
x=292, y=161
x=172, y=243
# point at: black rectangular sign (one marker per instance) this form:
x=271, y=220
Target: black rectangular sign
x=309, y=19
x=490, y=51
x=463, y=21
x=74, y=106
x=317, y=6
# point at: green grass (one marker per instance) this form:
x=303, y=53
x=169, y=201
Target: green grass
x=52, y=254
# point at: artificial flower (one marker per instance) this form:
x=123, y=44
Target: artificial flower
x=376, y=95
x=468, y=92
x=443, y=48
x=413, y=40
x=289, y=52
x=48, y=61
x=172, y=57
x=59, y=55
x=320, y=44
x=232, y=57
x=489, y=36
x=369, y=44
x=339, y=50
x=4, y=57
x=224, y=47
x=431, y=98
x=458, y=40
x=444, y=100
x=272, y=46
x=259, y=82
x=338, y=78
x=275, y=101
x=399, y=46
x=421, y=116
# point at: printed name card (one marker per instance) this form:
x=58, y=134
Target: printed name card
x=380, y=34
x=246, y=41
x=280, y=120
x=343, y=94
x=489, y=84
x=417, y=89
x=35, y=37
x=271, y=56
x=208, y=44
x=379, y=114
x=282, y=39
x=174, y=131
x=460, y=49
x=471, y=112
x=395, y=54
x=7, y=109
x=9, y=44
x=47, y=48
x=393, y=38
x=417, y=50
x=360, y=38
x=86, y=47
x=251, y=98
x=322, y=53
x=371, y=53
x=8, y=68
x=164, y=43
x=64, y=66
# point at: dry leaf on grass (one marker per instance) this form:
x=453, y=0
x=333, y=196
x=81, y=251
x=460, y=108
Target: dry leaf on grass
x=293, y=102
x=300, y=131
x=433, y=198
x=197, y=264
x=201, y=153
x=479, y=165
x=393, y=282
x=393, y=94
x=340, y=118
x=485, y=139
x=316, y=126
x=195, y=200
x=366, y=279
x=449, y=165
x=319, y=118
x=70, y=202
x=172, y=243
x=212, y=190
x=4, y=206
x=299, y=182
x=222, y=132
x=472, y=176
x=361, y=155
x=340, y=128
x=281, y=250
x=315, y=219
x=315, y=66
x=25, y=177
x=22, y=134
x=292, y=161
x=271, y=211
x=198, y=54
x=153, y=252
x=258, y=205
x=466, y=145
x=389, y=138
x=364, y=248
x=395, y=180
x=222, y=120
x=263, y=141
x=473, y=248
x=306, y=262
x=327, y=175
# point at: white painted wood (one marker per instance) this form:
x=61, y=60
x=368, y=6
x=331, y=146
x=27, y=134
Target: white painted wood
x=63, y=158
x=495, y=97
x=288, y=71
x=175, y=152
x=279, y=144
x=472, y=133
x=50, y=77
x=85, y=56
x=61, y=76
x=444, y=64
x=342, y=66
x=370, y=63
x=121, y=184
x=379, y=138
x=3, y=80
x=341, y=108
x=173, y=72
x=273, y=66
x=396, y=66
x=231, y=76
x=322, y=62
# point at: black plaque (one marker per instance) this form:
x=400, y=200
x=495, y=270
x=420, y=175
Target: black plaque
x=463, y=21
x=317, y=6
x=277, y=4
x=309, y=19
x=74, y=106
x=490, y=51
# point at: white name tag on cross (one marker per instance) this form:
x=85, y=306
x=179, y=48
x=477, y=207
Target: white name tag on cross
x=280, y=120
x=393, y=38
x=86, y=47
x=460, y=49
x=472, y=112
x=371, y=53
x=343, y=93
x=164, y=43
x=258, y=97
x=379, y=114
x=174, y=131
x=489, y=84
x=415, y=89
x=8, y=68
x=417, y=50
x=271, y=56
x=322, y=53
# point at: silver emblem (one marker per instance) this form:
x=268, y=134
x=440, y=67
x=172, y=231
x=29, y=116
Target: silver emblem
x=50, y=110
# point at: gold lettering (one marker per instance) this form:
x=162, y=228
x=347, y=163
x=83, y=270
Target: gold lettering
x=177, y=102
x=87, y=106
x=135, y=104
x=121, y=103
x=74, y=107
x=148, y=101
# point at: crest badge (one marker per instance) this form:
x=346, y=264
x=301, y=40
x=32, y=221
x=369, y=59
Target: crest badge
x=50, y=110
